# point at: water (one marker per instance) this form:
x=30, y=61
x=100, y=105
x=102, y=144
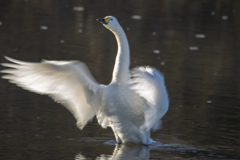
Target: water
x=203, y=121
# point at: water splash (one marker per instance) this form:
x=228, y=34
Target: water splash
x=156, y=51
x=193, y=48
x=224, y=17
x=136, y=17
x=200, y=36
x=78, y=9
x=44, y=27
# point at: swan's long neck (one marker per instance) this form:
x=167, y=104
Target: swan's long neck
x=121, y=72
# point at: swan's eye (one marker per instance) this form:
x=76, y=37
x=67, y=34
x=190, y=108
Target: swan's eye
x=111, y=19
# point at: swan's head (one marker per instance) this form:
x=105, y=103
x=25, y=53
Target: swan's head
x=109, y=22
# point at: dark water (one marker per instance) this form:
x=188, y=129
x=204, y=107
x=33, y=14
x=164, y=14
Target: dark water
x=198, y=41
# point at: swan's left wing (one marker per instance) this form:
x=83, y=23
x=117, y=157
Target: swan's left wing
x=149, y=83
x=67, y=82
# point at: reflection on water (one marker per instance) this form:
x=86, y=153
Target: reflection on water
x=123, y=152
x=141, y=152
x=194, y=43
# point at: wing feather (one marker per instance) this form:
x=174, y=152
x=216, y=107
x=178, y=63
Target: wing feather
x=68, y=82
x=149, y=83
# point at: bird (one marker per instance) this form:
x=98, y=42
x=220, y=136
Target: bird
x=132, y=104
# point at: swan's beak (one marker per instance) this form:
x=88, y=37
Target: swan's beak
x=101, y=20
x=104, y=20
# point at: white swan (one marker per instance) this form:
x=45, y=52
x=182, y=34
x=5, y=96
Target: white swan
x=132, y=107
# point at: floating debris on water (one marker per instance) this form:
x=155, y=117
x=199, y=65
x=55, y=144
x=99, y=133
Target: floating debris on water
x=224, y=17
x=62, y=41
x=193, y=48
x=200, y=36
x=209, y=101
x=156, y=51
x=78, y=8
x=136, y=17
x=44, y=27
x=80, y=30
x=162, y=63
x=212, y=13
x=154, y=33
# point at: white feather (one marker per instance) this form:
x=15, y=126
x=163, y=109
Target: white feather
x=149, y=83
x=69, y=83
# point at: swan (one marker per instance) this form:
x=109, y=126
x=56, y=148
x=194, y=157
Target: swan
x=132, y=104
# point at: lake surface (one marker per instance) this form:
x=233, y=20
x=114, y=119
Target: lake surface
x=194, y=43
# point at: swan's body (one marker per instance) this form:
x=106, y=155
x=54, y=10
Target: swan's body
x=131, y=107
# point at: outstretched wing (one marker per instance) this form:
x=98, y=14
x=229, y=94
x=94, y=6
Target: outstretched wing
x=149, y=83
x=67, y=82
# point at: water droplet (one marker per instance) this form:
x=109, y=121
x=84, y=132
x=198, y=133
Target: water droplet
x=80, y=30
x=156, y=51
x=62, y=41
x=78, y=8
x=215, y=73
x=154, y=33
x=80, y=24
x=162, y=63
x=209, y=101
x=193, y=48
x=224, y=17
x=136, y=17
x=44, y=27
x=128, y=28
x=200, y=36
x=0, y=23
x=212, y=13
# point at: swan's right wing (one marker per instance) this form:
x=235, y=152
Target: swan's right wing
x=67, y=82
x=149, y=83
